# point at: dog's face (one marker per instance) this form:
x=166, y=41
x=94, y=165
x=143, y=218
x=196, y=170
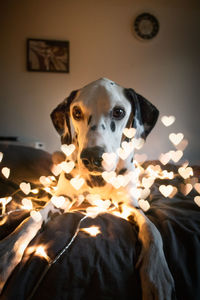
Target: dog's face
x=94, y=117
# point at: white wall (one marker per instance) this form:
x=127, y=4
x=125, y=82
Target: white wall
x=165, y=70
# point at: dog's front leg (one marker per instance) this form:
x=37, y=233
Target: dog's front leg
x=12, y=247
x=156, y=280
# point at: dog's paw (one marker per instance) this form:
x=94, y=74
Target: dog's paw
x=156, y=280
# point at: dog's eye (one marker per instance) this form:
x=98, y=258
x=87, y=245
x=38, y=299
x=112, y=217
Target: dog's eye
x=118, y=113
x=77, y=113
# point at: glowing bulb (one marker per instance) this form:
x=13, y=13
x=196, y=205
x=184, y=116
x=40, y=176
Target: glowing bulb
x=40, y=251
x=92, y=230
x=27, y=204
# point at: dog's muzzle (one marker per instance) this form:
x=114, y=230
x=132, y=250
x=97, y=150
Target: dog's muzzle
x=92, y=158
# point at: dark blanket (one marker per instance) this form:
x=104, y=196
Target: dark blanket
x=103, y=267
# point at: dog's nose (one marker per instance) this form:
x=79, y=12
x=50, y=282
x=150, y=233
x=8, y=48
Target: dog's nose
x=92, y=157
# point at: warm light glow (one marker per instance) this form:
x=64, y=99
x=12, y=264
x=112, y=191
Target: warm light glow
x=25, y=187
x=1, y=156
x=185, y=172
x=36, y=215
x=4, y=201
x=40, y=251
x=100, y=206
x=197, y=200
x=67, y=149
x=176, y=138
x=168, y=121
x=21, y=248
x=47, y=189
x=92, y=230
x=46, y=181
x=125, y=211
x=6, y=172
x=35, y=191
x=67, y=167
x=58, y=201
x=142, y=179
x=166, y=190
x=27, y=204
x=77, y=182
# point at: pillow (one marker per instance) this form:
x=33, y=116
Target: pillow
x=25, y=163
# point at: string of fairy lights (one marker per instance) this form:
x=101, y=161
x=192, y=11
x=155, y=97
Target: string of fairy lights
x=96, y=204
x=152, y=172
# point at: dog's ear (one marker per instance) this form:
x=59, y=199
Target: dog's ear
x=60, y=117
x=144, y=112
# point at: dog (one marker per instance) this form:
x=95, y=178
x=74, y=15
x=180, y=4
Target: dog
x=93, y=118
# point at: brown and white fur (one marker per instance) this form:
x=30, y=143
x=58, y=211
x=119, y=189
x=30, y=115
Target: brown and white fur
x=93, y=118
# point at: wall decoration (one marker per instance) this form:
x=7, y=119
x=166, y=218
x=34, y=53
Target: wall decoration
x=146, y=26
x=47, y=56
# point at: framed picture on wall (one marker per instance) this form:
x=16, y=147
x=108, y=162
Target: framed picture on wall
x=47, y=56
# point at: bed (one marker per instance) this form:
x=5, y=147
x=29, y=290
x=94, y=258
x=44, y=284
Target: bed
x=100, y=266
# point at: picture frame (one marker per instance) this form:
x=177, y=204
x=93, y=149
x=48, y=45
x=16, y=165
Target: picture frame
x=47, y=55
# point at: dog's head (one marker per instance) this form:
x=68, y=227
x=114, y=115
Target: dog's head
x=94, y=117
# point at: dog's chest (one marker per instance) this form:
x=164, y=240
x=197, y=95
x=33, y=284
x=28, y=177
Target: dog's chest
x=73, y=185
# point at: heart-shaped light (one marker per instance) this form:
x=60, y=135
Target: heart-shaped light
x=129, y=132
x=36, y=215
x=107, y=176
x=164, y=158
x=185, y=172
x=174, y=192
x=197, y=200
x=128, y=146
x=68, y=149
x=45, y=180
x=147, y=182
x=109, y=161
x=185, y=164
x=58, y=201
x=176, y=155
x=1, y=156
x=176, y=138
x=144, y=204
x=192, y=180
x=197, y=187
x=166, y=190
x=144, y=193
x=27, y=203
x=6, y=172
x=135, y=192
x=77, y=182
x=185, y=188
x=25, y=187
x=182, y=145
x=93, y=211
x=138, y=143
x=168, y=120
x=140, y=157
x=103, y=204
x=117, y=181
x=123, y=153
x=93, y=198
x=56, y=169
x=168, y=175
x=130, y=176
x=156, y=168
x=67, y=167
